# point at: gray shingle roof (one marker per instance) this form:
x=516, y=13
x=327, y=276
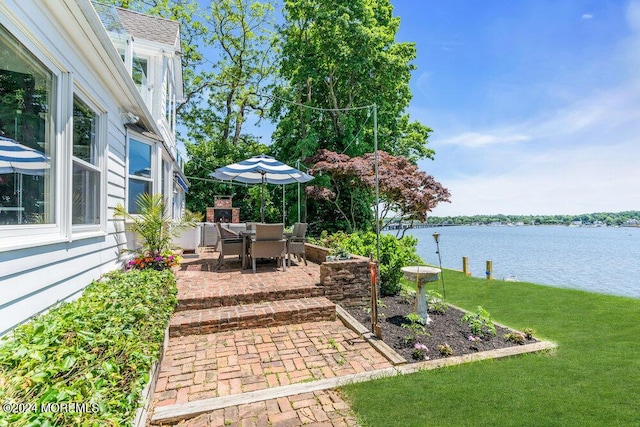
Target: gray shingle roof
x=139, y=25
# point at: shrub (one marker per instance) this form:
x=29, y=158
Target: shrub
x=420, y=352
x=408, y=295
x=394, y=254
x=435, y=302
x=528, y=333
x=415, y=325
x=96, y=351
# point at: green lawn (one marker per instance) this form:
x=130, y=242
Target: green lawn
x=591, y=379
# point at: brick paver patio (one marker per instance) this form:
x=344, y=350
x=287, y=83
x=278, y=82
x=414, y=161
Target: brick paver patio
x=318, y=409
x=205, y=366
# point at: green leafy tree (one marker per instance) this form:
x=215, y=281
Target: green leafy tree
x=338, y=58
x=240, y=35
x=221, y=88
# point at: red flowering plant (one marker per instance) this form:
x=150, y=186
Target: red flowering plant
x=155, y=261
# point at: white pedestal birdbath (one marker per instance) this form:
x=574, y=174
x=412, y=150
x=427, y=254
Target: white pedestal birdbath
x=421, y=275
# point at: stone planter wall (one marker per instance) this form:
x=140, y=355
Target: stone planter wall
x=344, y=282
x=316, y=254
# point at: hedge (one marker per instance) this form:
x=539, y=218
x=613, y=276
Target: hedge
x=394, y=253
x=86, y=362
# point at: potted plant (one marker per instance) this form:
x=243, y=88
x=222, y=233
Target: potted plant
x=338, y=253
x=155, y=230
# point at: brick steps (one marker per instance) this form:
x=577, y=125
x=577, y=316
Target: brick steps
x=244, y=293
x=262, y=314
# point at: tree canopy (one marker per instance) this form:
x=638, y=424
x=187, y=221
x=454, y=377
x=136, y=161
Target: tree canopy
x=338, y=59
x=345, y=87
x=330, y=76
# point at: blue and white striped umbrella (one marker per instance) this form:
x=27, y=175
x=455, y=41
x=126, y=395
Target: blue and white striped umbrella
x=261, y=169
x=18, y=158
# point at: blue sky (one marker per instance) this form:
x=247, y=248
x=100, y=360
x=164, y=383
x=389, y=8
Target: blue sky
x=535, y=104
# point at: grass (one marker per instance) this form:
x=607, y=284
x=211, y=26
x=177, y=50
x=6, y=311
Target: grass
x=592, y=379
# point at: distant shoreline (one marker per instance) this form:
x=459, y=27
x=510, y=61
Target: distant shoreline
x=598, y=219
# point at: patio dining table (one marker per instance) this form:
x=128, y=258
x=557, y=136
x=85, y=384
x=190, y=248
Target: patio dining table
x=246, y=244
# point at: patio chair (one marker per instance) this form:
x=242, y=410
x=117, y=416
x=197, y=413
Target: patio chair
x=268, y=242
x=297, y=241
x=229, y=243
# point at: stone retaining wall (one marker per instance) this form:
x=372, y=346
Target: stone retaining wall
x=345, y=282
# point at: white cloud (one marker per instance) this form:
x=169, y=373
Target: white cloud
x=579, y=159
x=587, y=16
x=478, y=139
x=568, y=182
x=633, y=16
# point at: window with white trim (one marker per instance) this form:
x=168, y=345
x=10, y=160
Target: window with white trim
x=27, y=140
x=86, y=194
x=140, y=172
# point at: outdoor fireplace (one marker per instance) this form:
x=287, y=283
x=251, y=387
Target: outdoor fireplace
x=222, y=215
x=222, y=210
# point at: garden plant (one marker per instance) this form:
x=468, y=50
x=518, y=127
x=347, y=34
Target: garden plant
x=93, y=354
x=587, y=381
x=156, y=228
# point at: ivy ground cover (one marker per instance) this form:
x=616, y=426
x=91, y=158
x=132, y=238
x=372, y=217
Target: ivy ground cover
x=86, y=362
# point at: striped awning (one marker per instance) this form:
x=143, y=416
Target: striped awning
x=261, y=169
x=181, y=183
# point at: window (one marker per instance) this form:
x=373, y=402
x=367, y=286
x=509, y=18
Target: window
x=27, y=97
x=169, y=100
x=86, y=165
x=139, y=172
x=139, y=72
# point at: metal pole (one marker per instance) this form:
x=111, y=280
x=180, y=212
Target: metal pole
x=284, y=215
x=262, y=200
x=375, y=149
x=298, y=167
x=436, y=237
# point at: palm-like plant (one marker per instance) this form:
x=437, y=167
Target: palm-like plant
x=153, y=224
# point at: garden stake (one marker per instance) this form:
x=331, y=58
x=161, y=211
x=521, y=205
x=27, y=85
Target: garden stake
x=436, y=237
x=373, y=270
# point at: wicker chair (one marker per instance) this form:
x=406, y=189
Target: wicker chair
x=269, y=243
x=229, y=243
x=297, y=241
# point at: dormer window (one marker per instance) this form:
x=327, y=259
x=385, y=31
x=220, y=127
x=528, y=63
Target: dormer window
x=139, y=71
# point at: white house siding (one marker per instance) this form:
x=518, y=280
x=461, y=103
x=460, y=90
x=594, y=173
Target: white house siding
x=35, y=276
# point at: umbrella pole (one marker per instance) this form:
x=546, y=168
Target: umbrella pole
x=262, y=200
x=18, y=176
x=298, y=166
x=284, y=215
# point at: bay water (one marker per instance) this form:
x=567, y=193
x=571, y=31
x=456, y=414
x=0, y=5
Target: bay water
x=599, y=259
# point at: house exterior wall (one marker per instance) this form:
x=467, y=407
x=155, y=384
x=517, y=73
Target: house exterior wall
x=42, y=264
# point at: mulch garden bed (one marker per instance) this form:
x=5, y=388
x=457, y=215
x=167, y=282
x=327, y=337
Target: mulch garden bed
x=445, y=328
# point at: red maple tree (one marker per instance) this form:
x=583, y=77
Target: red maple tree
x=405, y=191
